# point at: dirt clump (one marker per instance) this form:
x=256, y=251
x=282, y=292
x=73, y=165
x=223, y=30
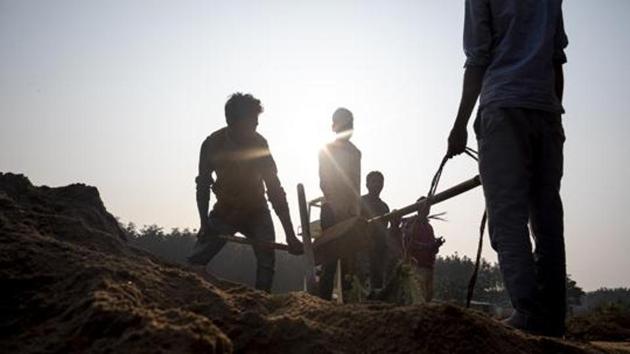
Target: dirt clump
x=602, y=325
x=71, y=284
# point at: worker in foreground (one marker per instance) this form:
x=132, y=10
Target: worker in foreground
x=242, y=162
x=339, y=180
x=515, y=52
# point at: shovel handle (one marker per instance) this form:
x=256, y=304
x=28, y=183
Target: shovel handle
x=440, y=197
x=263, y=244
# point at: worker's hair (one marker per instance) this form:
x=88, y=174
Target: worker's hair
x=375, y=174
x=241, y=105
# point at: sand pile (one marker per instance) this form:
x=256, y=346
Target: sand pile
x=70, y=283
x=601, y=326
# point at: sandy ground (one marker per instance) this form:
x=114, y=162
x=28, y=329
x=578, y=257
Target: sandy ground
x=72, y=284
x=613, y=347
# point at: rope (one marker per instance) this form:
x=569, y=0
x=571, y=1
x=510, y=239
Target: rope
x=434, y=184
x=473, y=277
x=438, y=174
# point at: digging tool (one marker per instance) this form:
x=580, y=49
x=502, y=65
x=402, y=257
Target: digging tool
x=264, y=244
x=347, y=237
x=311, y=281
x=438, y=198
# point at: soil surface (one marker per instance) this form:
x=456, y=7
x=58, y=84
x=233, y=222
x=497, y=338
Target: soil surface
x=71, y=284
x=607, y=325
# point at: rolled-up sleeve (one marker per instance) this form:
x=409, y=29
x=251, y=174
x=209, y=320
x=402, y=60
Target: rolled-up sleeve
x=477, y=33
x=561, y=41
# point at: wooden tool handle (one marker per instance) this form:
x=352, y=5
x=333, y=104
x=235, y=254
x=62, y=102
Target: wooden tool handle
x=264, y=244
x=440, y=197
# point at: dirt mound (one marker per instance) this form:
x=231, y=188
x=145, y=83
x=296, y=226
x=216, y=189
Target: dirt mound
x=71, y=284
x=603, y=325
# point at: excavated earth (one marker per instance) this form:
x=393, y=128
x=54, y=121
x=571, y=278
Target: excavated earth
x=71, y=284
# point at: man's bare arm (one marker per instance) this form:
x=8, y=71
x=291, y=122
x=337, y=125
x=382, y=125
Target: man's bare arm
x=203, y=201
x=473, y=79
x=204, y=182
x=278, y=199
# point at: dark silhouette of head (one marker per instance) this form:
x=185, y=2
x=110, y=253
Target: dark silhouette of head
x=343, y=123
x=374, y=183
x=241, y=114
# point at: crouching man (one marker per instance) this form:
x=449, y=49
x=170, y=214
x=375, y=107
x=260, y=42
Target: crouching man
x=243, y=165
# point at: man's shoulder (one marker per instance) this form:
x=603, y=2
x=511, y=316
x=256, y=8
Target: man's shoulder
x=366, y=198
x=355, y=150
x=260, y=140
x=381, y=204
x=216, y=136
x=327, y=149
x=344, y=145
x=212, y=144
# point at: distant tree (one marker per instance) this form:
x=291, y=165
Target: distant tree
x=235, y=262
x=604, y=298
x=574, y=292
x=153, y=232
x=452, y=274
x=130, y=229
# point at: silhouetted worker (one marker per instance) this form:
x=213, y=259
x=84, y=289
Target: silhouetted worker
x=372, y=205
x=241, y=160
x=421, y=249
x=339, y=180
x=515, y=52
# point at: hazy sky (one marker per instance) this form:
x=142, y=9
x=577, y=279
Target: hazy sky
x=120, y=95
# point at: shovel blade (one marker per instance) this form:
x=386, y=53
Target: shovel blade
x=341, y=240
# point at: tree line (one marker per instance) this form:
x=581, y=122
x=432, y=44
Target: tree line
x=237, y=263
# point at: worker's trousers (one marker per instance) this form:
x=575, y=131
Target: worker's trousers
x=327, y=277
x=258, y=226
x=521, y=165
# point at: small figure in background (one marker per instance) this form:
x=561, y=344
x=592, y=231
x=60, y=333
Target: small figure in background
x=371, y=206
x=411, y=280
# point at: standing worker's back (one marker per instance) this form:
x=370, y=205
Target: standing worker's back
x=515, y=52
x=340, y=170
x=340, y=182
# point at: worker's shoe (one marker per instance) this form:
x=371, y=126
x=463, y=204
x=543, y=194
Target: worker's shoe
x=556, y=330
x=202, y=271
x=525, y=323
x=534, y=325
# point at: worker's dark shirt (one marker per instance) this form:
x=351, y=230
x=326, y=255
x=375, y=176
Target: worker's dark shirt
x=518, y=41
x=419, y=240
x=372, y=207
x=340, y=178
x=240, y=168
